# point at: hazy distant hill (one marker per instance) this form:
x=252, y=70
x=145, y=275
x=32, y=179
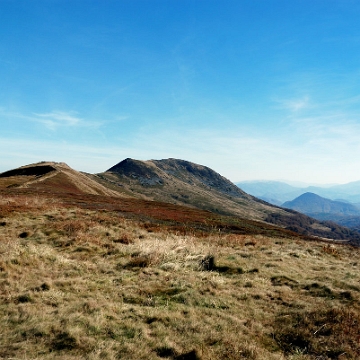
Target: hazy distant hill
x=279, y=192
x=310, y=203
x=275, y=192
x=343, y=213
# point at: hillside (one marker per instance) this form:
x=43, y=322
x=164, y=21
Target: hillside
x=52, y=177
x=149, y=187
x=181, y=182
x=84, y=275
x=95, y=277
x=52, y=181
x=185, y=183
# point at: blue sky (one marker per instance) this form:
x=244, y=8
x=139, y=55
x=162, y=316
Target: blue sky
x=254, y=89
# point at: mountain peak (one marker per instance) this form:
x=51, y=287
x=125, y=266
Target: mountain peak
x=309, y=195
x=311, y=204
x=170, y=171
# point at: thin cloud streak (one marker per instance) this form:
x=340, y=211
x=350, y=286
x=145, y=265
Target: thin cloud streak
x=58, y=118
x=294, y=105
x=52, y=120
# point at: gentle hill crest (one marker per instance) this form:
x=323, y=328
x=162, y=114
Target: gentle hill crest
x=52, y=177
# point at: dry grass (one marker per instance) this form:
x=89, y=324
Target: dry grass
x=86, y=284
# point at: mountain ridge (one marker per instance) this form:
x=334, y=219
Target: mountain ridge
x=185, y=183
x=166, y=190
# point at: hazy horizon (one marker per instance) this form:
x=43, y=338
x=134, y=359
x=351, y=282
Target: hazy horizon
x=251, y=89
x=292, y=183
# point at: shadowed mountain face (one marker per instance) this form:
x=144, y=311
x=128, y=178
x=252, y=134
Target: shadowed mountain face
x=185, y=183
x=29, y=171
x=169, y=171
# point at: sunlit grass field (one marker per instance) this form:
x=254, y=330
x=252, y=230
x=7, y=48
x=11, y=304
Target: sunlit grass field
x=84, y=283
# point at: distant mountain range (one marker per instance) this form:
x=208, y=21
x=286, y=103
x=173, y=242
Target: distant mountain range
x=166, y=188
x=277, y=192
x=343, y=213
x=310, y=203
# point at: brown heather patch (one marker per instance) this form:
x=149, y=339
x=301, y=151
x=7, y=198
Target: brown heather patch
x=92, y=284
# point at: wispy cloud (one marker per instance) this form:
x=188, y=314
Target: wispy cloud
x=55, y=119
x=295, y=104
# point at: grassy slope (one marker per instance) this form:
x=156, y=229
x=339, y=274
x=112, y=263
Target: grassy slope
x=184, y=183
x=53, y=177
x=84, y=283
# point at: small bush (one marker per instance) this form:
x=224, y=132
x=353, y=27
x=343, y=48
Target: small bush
x=124, y=239
x=24, y=298
x=24, y=235
x=42, y=287
x=208, y=263
x=165, y=351
x=140, y=261
x=63, y=341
